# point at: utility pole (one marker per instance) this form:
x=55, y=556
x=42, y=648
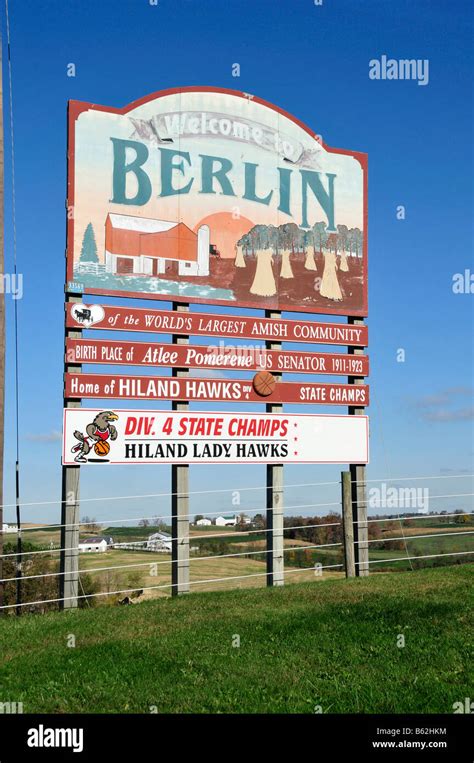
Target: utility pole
x=2, y=328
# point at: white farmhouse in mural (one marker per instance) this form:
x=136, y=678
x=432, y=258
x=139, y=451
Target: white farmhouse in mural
x=204, y=521
x=143, y=246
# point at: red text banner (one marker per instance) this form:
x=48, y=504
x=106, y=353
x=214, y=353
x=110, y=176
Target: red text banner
x=111, y=317
x=232, y=358
x=92, y=436
x=232, y=391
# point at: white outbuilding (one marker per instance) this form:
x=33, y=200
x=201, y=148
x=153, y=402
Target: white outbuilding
x=93, y=546
x=226, y=520
x=160, y=542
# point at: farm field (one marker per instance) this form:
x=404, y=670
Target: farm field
x=139, y=575
x=331, y=645
x=143, y=570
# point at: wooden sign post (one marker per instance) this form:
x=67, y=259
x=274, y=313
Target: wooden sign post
x=358, y=485
x=347, y=524
x=70, y=505
x=274, y=494
x=180, y=494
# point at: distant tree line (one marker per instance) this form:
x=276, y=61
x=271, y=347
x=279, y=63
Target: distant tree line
x=291, y=237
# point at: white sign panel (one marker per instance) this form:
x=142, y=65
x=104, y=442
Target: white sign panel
x=117, y=436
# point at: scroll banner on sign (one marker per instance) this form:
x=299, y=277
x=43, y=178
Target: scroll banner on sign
x=232, y=391
x=111, y=317
x=232, y=358
x=95, y=435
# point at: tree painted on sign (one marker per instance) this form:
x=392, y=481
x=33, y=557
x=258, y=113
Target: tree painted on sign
x=355, y=238
x=358, y=238
x=291, y=234
x=89, y=247
x=274, y=236
x=320, y=236
x=341, y=245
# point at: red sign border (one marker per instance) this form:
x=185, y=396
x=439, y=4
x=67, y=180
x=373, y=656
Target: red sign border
x=75, y=108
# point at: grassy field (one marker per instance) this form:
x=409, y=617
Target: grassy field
x=332, y=644
x=213, y=570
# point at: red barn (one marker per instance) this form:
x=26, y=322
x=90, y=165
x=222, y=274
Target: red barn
x=143, y=246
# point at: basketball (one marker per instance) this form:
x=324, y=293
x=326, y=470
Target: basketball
x=101, y=448
x=264, y=383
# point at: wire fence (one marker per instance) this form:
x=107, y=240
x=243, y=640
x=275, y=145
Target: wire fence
x=234, y=556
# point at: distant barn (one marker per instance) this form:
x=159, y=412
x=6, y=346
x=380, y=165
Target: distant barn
x=93, y=545
x=159, y=542
x=143, y=246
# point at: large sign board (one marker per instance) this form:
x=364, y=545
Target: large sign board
x=205, y=195
x=135, y=319
x=96, y=435
x=105, y=386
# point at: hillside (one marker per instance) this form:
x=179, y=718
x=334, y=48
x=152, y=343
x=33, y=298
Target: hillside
x=329, y=643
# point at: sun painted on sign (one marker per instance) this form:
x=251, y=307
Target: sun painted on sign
x=214, y=196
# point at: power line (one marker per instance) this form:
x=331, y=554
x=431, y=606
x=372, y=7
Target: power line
x=425, y=556
x=169, y=561
x=417, y=516
x=236, y=490
x=413, y=537
x=167, y=585
x=164, y=516
x=205, y=536
x=225, y=579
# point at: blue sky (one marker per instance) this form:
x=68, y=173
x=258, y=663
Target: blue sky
x=312, y=61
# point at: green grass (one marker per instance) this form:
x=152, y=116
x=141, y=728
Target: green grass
x=330, y=643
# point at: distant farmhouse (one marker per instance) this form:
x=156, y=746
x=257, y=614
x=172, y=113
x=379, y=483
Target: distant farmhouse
x=226, y=520
x=141, y=246
x=7, y=529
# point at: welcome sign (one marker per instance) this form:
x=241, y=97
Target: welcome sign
x=213, y=196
